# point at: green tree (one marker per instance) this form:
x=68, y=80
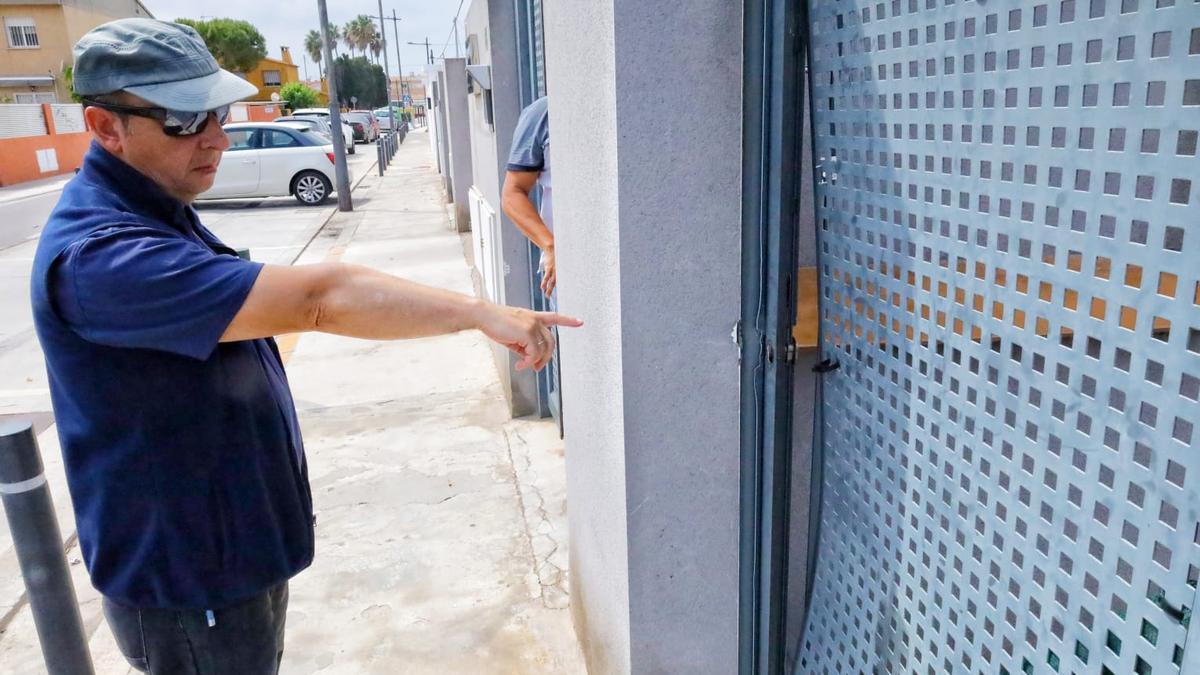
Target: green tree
x=357, y=77
x=360, y=32
x=237, y=45
x=375, y=44
x=350, y=35
x=69, y=78
x=299, y=95
x=312, y=45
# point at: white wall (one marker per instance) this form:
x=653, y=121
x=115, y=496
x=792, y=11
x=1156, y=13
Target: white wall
x=583, y=131
x=494, y=24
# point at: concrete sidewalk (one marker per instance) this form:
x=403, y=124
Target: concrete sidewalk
x=441, y=523
x=34, y=188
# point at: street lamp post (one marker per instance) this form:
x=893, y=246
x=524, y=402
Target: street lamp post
x=387, y=91
x=428, y=51
x=335, y=113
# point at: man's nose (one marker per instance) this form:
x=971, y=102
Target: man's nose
x=213, y=137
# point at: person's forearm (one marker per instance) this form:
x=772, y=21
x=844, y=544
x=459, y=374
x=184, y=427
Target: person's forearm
x=519, y=208
x=363, y=303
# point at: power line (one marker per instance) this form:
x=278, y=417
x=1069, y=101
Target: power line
x=453, y=30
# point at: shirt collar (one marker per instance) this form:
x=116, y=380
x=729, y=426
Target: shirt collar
x=139, y=190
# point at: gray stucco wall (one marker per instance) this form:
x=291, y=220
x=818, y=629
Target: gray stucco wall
x=458, y=134
x=680, y=210
x=442, y=143
x=494, y=25
x=579, y=49
x=647, y=145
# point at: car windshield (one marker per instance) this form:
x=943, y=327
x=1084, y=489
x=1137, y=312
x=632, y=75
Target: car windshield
x=317, y=137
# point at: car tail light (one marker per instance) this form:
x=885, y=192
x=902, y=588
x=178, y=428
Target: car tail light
x=330, y=156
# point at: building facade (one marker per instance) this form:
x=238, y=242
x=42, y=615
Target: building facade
x=35, y=58
x=271, y=74
x=892, y=362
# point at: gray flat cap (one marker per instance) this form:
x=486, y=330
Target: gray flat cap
x=164, y=63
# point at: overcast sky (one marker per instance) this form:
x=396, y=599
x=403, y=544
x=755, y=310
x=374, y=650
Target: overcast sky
x=286, y=23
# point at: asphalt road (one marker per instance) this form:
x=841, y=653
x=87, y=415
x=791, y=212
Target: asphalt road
x=22, y=219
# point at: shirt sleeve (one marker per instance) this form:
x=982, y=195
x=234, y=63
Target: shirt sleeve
x=529, y=139
x=139, y=287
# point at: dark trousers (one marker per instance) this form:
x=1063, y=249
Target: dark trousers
x=242, y=639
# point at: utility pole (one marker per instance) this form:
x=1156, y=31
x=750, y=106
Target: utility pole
x=335, y=113
x=396, y=29
x=428, y=51
x=387, y=91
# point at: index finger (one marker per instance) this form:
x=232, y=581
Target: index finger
x=556, y=319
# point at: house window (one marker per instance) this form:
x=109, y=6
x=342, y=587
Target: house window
x=271, y=78
x=22, y=33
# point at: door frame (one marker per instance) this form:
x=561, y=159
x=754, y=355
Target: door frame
x=771, y=162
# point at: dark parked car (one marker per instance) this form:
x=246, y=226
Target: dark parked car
x=366, y=128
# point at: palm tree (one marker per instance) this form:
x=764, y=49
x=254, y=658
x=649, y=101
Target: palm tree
x=354, y=35
x=375, y=42
x=312, y=45
x=359, y=32
x=335, y=34
x=349, y=33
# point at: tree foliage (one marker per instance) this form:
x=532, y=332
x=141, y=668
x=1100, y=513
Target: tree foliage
x=360, y=33
x=312, y=45
x=358, y=77
x=299, y=95
x=237, y=45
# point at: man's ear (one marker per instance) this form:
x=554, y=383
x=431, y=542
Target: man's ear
x=107, y=128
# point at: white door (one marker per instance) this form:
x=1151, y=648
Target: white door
x=237, y=175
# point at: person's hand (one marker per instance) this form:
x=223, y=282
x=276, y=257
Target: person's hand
x=525, y=332
x=548, y=271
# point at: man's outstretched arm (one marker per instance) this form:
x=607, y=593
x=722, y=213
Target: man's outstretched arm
x=360, y=302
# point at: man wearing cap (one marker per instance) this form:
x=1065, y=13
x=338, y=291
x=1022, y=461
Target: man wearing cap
x=179, y=434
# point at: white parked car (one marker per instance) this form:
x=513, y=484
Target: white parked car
x=323, y=113
x=275, y=159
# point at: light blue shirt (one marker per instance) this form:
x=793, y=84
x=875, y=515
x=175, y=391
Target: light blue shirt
x=531, y=152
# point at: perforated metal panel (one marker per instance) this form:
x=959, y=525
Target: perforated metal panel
x=1010, y=250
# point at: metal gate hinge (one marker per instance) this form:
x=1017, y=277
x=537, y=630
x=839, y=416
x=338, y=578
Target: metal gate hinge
x=789, y=355
x=826, y=366
x=736, y=334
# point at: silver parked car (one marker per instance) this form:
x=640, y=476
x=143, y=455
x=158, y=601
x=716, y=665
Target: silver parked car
x=323, y=115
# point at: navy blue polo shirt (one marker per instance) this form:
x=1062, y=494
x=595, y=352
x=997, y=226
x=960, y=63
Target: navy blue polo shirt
x=183, y=454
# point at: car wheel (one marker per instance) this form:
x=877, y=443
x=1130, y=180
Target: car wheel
x=352, y=148
x=311, y=188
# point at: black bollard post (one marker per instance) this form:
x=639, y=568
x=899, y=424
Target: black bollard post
x=379, y=154
x=39, y=546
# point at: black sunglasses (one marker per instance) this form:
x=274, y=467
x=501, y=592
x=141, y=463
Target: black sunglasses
x=174, y=122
